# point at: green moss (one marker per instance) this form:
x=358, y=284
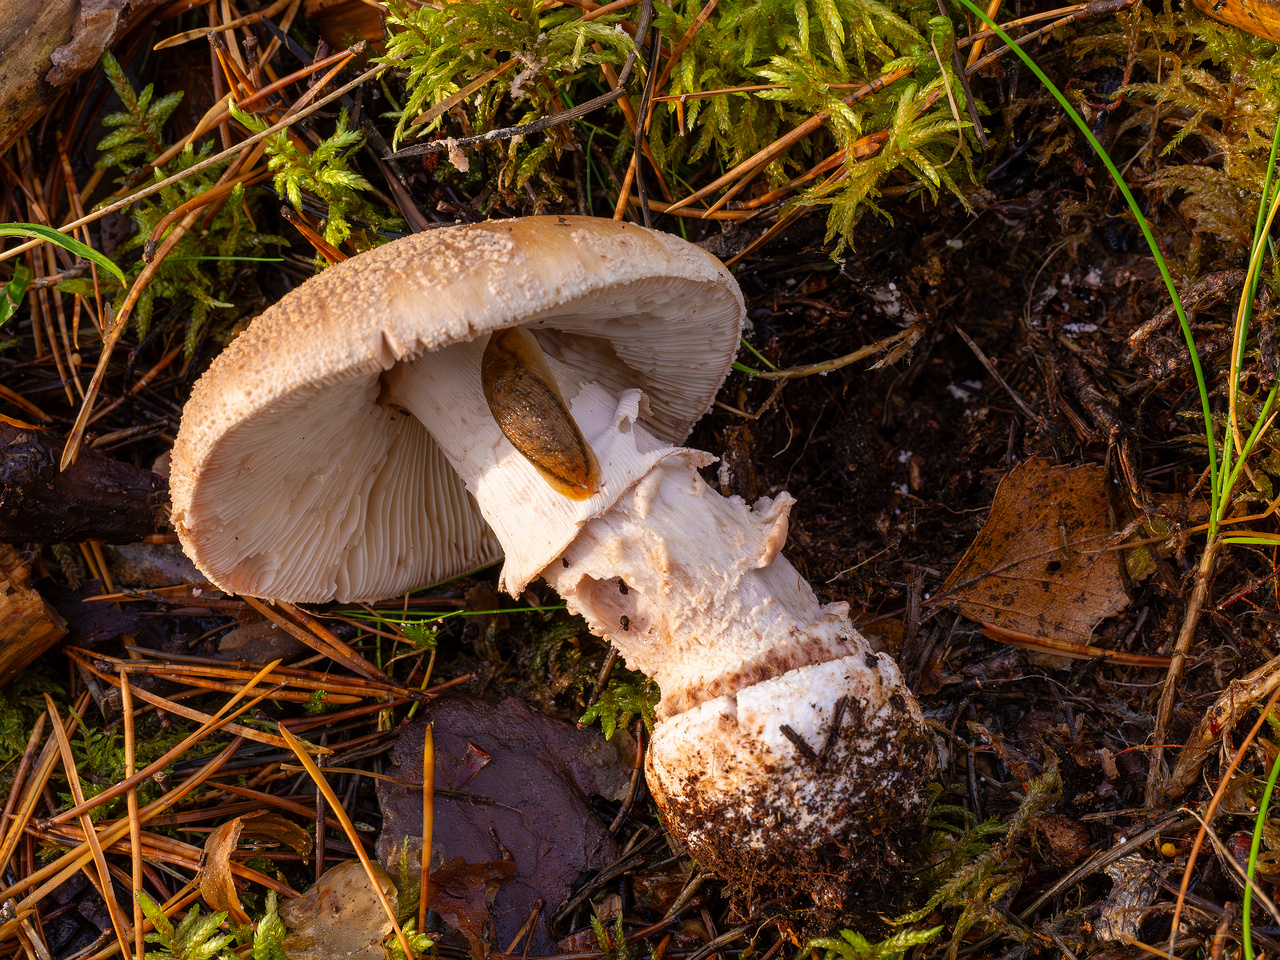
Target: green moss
x=325, y=173
x=809, y=54
x=622, y=701
x=853, y=946
x=197, y=278
x=21, y=702
x=100, y=760
x=1201, y=113
x=978, y=868
x=195, y=938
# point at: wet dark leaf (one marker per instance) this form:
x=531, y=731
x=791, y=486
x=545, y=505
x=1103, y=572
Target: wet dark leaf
x=527, y=803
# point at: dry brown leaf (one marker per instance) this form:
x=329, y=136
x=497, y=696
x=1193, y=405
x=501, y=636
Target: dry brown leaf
x=217, y=885
x=340, y=918
x=1041, y=565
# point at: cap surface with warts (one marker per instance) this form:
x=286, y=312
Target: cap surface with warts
x=294, y=478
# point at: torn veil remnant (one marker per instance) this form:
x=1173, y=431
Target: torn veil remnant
x=342, y=448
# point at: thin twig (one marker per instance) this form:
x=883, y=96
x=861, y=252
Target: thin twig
x=219, y=720
x=991, y=369
x=91, y=835
x=135, y=827
x=908, y=336
x=35, y=788
x=53, y=875
x=245, y=21
x=963, y=77
x=642, y=125
x=19, y=781
x=428, y=823
x=1157, y=774
x=1208, y=815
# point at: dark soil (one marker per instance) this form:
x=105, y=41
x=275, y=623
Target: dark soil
x=1025, y=307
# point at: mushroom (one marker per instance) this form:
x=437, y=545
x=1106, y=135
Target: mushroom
x=356, y=441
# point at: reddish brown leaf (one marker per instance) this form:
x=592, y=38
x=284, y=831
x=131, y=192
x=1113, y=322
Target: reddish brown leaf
x=462, y=894
x=1041, y=565
x=523, y=799
x=217, y=885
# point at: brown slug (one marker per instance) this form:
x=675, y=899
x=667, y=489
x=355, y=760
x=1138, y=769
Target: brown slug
x=526, y=403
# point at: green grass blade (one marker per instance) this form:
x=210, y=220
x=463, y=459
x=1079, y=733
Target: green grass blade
x=40, y=232
x=1254, y=847
x=12, y=293
x=1262, y=422
x=752, y=371
x=1268, y=184
x=1244, y=314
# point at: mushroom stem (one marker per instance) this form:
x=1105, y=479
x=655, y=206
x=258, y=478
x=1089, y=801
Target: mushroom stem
x=692, y=590
x=786, y=752
x=783, y=742
x=532, y=521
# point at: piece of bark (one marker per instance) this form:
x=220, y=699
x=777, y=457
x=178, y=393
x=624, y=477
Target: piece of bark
x=50, y=44
x=96, y=498
x=28, y=625
x=146, y=566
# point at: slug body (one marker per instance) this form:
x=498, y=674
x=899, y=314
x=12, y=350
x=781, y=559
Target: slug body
x=526, y=403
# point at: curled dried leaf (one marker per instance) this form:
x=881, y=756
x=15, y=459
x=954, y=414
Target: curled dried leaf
x=217, y=884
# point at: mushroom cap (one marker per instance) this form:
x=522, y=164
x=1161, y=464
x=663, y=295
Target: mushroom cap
x=290, y=480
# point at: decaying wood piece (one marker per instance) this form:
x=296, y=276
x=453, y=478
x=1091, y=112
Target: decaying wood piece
x=96, y=498
x=28, y=625
x=50, y=44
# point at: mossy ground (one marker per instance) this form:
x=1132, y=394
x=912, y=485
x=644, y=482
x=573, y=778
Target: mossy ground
x=1025, y=283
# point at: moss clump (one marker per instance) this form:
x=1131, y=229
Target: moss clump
x=197, y=278
x=1197, y=120
x=765, y=67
